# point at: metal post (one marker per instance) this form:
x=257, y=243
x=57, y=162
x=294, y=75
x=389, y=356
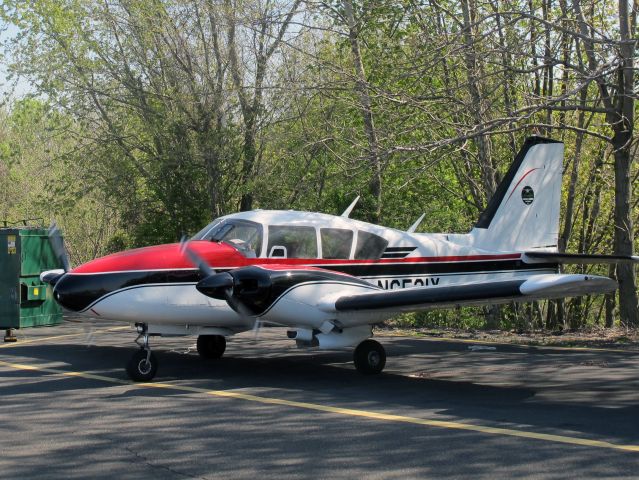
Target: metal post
x=9, y=336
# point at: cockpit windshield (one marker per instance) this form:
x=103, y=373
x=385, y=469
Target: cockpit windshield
x=206, y=232
x=244, y=235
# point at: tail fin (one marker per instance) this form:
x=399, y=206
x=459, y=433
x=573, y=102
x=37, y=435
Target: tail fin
x=523, y=214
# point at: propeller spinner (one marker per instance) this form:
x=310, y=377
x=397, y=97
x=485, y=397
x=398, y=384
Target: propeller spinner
x=220, y=285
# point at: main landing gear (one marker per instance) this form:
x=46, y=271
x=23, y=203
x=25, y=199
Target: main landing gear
x=369, y=357
x=211, y=346
x=143, y=364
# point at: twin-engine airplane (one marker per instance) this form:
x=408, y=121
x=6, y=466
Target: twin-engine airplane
x=329, y=279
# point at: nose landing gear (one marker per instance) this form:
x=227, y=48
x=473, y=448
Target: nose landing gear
x=143, y=365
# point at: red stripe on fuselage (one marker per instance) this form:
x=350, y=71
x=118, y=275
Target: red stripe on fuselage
x=221, y=255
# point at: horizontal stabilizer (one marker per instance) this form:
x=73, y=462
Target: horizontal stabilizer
x=577, y=258
x=521, y=290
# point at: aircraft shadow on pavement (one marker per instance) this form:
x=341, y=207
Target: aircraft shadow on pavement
x=323, y=377
x=325, y=373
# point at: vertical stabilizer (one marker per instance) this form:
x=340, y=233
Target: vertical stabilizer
x=523, y=214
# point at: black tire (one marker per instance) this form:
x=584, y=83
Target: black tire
x=369, y=357
x=139, y=369
x=211, y=346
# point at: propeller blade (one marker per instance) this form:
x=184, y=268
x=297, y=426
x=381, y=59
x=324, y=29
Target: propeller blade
x=57, y=244
x=89, y=330
x=238, y=306
x=196, y=259
x=257, y=329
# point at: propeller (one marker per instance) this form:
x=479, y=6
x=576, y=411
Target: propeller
x=257, y=329
x=195, y=259
x=89, y=330
x=57, y=244
x=217, y=285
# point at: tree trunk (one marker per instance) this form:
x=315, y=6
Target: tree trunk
x=548, y=80
x=473, y=74
x=623, y=231
x=609, y=300
x=250, y=152
x=620, y=117
x=493, y=317
x=574, y=174
x=362, y=87
x=622, y=142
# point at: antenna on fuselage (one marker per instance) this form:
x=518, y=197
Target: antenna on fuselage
x=350, y=208
x=414, y=226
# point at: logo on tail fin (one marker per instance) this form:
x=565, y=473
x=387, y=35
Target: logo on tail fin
x=527, y=195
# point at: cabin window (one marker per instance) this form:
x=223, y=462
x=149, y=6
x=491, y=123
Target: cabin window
x=336, y=243
x=298, y=242
x=369, y=246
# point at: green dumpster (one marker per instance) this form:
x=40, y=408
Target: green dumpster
x=25, y=301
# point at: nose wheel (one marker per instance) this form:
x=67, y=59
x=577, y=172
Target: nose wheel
x=143, y=365
x=369, y=357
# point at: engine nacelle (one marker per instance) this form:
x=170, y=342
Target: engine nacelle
x=258, y=288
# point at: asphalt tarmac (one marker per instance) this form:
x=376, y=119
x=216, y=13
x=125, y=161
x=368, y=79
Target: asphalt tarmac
x=268, y=410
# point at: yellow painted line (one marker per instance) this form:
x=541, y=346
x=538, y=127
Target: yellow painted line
x=23, y=342
x=55, y=371
x=19, y=366
x=349, y=412
x=56, y=337
x=523, y=345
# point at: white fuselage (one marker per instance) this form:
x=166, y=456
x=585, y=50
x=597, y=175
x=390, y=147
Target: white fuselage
x=408, y=260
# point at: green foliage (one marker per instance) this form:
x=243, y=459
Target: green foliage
x=136, y=135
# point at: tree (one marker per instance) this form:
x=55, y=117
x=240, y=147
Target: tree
x=616, y=88
x=151, y=100
x=266, y=24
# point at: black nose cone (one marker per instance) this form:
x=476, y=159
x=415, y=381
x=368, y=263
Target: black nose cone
x=78, y=292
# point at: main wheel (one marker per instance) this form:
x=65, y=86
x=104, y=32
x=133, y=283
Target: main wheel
x=140, y=369
x=369, y=357
x=211, y=346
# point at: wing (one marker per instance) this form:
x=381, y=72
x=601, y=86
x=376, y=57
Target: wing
x=578, y=258
x=521, y=290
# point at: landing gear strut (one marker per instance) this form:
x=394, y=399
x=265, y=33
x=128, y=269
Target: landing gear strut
x=143, y=364
x=369, y=357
